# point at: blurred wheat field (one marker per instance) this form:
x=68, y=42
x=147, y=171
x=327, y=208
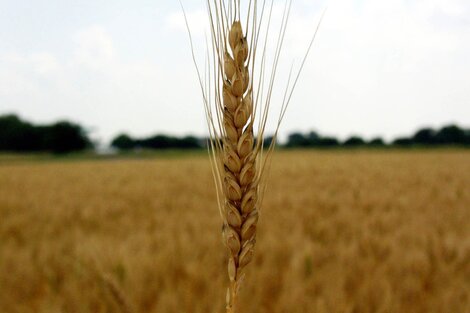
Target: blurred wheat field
x=340, y=231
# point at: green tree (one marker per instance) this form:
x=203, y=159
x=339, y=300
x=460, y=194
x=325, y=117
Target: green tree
x=403, y=142
x=377, y=142
x=123, y=142
x=65, y=137
x=354, y=141
x=20, y=136
x=297, y=140
x=425, y=136
x=451, y=134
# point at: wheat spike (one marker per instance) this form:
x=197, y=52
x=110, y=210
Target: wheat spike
x=240, y=185
x=237, y=103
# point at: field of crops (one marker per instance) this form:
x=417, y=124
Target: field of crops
x=340, y=232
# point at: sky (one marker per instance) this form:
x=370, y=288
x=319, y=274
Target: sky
x=377, y=68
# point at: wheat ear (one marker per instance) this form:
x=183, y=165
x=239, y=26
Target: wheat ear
x=239, y=159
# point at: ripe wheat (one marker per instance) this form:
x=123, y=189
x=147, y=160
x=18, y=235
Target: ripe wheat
x=234, y=111
x=239, y=158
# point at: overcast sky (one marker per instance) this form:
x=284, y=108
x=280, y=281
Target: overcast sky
x=377, y=67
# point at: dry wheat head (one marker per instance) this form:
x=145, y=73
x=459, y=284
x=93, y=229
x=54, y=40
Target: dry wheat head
x=239, y=158
x=237, y=89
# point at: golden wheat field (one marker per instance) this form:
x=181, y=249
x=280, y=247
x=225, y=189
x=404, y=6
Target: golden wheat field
x=340, y=232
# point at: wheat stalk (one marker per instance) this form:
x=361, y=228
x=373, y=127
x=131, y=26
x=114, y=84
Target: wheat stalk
x=232, y=108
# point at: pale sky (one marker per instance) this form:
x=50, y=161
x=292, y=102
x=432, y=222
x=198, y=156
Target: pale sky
x=377, y=67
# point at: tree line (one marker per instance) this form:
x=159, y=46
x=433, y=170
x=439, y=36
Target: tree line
x=157, y=142
x=17, y=135
x=426, y=137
